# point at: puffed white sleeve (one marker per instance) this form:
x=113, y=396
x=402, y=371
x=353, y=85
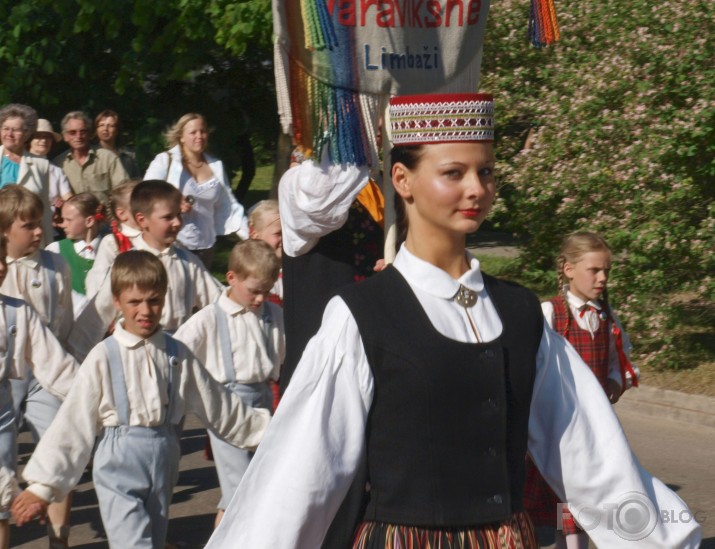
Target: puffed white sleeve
x=315, y=200
x=158, y=168
x=229, y=215
x=310, y=453
x=578, y=444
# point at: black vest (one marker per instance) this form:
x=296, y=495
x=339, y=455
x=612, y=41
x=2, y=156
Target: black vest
x=447, y=431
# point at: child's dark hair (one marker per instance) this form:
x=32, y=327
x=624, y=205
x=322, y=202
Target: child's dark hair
x=572, y=250
x=147, y=193
x=410, y=156
x=138, y=268
x=87, y=204
x=17, y=202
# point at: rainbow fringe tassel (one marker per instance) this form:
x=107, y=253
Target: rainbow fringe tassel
x=543, y=27
x=328, y=113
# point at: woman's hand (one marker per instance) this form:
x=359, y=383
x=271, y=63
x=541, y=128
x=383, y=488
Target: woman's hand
x=187, y=203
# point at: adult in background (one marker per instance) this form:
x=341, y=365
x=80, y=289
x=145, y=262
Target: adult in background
x=88, y=168
x=41, y=144
x=107, y=125
x=209, y=207
x=17, y=125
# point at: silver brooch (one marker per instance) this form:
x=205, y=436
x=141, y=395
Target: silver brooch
x=173, y=361
x=602, y=315
x=465, y=297
x=35, y=283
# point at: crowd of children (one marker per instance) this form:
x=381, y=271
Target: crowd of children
x=110, y=303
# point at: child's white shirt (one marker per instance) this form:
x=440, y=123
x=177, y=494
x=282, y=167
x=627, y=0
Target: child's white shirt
x=35, y=346
x=106, y=254
x=248, y=335
x=184, y=276
x=64, y=450
x=590, y=322
x=28, y=278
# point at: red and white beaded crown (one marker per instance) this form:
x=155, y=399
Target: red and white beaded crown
x=441, y=118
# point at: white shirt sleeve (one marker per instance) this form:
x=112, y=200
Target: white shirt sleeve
x=99, y=272
x=577, y=442
x=312, y=448
x=315, y=200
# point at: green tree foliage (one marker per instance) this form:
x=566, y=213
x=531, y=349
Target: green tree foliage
x=621, y=114
x=149, y=60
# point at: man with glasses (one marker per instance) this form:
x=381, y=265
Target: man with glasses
x=88, y=169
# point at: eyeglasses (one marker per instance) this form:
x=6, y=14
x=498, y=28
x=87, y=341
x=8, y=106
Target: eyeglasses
x=76, y=132
x=12, y=130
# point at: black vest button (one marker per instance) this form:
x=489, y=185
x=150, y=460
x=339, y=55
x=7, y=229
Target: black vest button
x=492, y=452
x=497, y=499
x=488, y=353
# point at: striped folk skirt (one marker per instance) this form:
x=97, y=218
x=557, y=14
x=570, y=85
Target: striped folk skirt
x=516, y=532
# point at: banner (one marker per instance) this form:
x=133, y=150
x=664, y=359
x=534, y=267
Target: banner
x=338, y=61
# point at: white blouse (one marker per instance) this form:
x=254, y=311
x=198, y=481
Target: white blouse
x=309, y=455
x=198, y=231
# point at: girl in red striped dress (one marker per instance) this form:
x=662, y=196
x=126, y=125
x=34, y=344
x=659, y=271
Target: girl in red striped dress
x=581, y=313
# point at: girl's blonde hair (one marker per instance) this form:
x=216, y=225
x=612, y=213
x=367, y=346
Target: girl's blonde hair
x=573, y=248
x=173, y=134
x=258, y=213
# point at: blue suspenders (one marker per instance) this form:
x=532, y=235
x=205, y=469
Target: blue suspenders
x=119, y=385
x=225, y=338
x=225, y=342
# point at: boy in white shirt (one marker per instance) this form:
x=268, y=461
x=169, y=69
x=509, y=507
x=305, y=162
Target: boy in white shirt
x=241, y=342
x=24, y=339
x=43, y=280
x=133, y=391
x=157, y=211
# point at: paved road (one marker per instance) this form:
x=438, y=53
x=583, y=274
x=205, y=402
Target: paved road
x=679, y=454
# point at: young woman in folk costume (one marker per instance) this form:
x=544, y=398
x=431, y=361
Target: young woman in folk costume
x=581, y=314
x=439, y=378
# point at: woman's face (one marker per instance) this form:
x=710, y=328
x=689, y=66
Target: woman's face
x=12, y=134
x=41, y=144
x=107, y=129
x=194, y=136
x=451, y=188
